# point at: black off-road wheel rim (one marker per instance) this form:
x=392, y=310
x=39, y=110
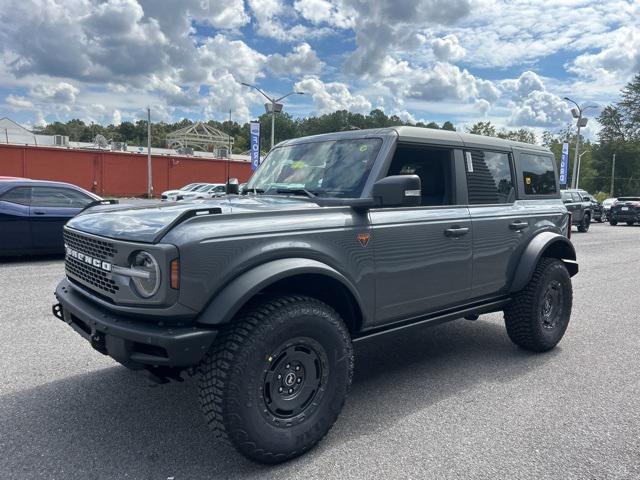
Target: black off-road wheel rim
x=294, y=381
x=552, y=306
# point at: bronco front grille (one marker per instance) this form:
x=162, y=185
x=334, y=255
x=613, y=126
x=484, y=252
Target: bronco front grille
x=95, y=248
x=91, y=275
x=85, y=272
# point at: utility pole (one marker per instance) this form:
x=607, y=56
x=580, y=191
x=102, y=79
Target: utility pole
x=581, y=122
x=229, y=150
x=613, y=173
x=273, y=124
x=272, y=107
x=149, y=173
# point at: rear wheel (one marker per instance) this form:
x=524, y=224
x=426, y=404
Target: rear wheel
x=585, y=223
x=277, y=378
x=538, y=316
x=631, y=223
x=613, y=222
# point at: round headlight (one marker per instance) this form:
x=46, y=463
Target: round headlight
x=148, y=282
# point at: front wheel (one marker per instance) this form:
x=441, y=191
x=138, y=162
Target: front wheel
x=631, y=223
x=277, y=378
x=538, y=316
x=613, y=222
x=584, y=224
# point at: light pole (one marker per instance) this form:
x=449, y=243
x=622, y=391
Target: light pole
x=578, y=169
x=149, y=172
x=581, y=122
x=272, y=107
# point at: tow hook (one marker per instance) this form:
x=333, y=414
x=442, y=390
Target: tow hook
x=56, y=309
x=99, y=342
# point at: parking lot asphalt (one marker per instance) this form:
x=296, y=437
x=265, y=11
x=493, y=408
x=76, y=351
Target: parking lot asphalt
x=453, y=401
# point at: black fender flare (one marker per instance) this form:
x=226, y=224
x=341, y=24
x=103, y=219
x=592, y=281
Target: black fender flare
x=548, y=244
x=228, y=301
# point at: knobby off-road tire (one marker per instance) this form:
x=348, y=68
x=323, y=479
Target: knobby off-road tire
x=584, y=224
x=538, y=316
x=277, y=377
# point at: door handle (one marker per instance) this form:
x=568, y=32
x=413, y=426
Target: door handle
x=456, y=231
x=518, y=225
x=38, y=212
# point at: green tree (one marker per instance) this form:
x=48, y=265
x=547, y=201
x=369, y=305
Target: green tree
x=483, y=128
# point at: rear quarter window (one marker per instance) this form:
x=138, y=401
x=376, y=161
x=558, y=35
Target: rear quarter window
x=538, y=174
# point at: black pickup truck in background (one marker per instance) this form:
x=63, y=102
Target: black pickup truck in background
x=578, y=202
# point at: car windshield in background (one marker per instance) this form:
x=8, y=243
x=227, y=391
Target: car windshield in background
x=629, y=199
x=330, y=169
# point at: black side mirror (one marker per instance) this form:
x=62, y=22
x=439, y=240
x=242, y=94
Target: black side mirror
x=398, y=191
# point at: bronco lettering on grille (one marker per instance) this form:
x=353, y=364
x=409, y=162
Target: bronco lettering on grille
x=88, y=259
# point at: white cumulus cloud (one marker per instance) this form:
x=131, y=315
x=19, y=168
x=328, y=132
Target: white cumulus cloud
x=332, y=96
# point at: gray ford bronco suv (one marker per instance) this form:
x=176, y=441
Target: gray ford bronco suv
x=336, y=238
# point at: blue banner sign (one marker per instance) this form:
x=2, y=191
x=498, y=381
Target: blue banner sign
x=564, y=165
x=254, y=129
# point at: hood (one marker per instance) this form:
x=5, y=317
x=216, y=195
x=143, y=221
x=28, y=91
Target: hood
x=150, y=223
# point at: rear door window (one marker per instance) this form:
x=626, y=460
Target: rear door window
x=489, y=177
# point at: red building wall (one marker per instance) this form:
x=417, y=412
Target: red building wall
x=118, y=174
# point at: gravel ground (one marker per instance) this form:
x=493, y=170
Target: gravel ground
x=453, y=401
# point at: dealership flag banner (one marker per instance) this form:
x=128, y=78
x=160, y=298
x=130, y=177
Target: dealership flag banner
x=254, y=128
x=564, y=164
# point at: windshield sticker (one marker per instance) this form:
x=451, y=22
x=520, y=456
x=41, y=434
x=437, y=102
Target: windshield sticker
x=297, y=165
x=363, y=148
x=469, y=162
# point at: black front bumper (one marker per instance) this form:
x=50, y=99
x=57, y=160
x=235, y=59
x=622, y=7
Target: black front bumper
x=133, y=343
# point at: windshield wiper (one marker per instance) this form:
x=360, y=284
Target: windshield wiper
x=297, y=191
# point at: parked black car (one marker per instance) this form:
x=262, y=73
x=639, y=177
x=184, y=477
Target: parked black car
x=625, y=209
x=579, y=207
x=33, y=212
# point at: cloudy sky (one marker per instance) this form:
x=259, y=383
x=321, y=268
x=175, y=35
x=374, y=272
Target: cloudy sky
x=510, y=62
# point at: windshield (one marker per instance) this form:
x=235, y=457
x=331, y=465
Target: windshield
x=336, y=168
x=629, y=199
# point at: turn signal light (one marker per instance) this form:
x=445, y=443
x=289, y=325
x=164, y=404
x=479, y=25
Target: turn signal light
x=175, y=274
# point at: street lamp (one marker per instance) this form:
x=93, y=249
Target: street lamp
x=272, y=107
x=578, y=169
x=581, y=122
